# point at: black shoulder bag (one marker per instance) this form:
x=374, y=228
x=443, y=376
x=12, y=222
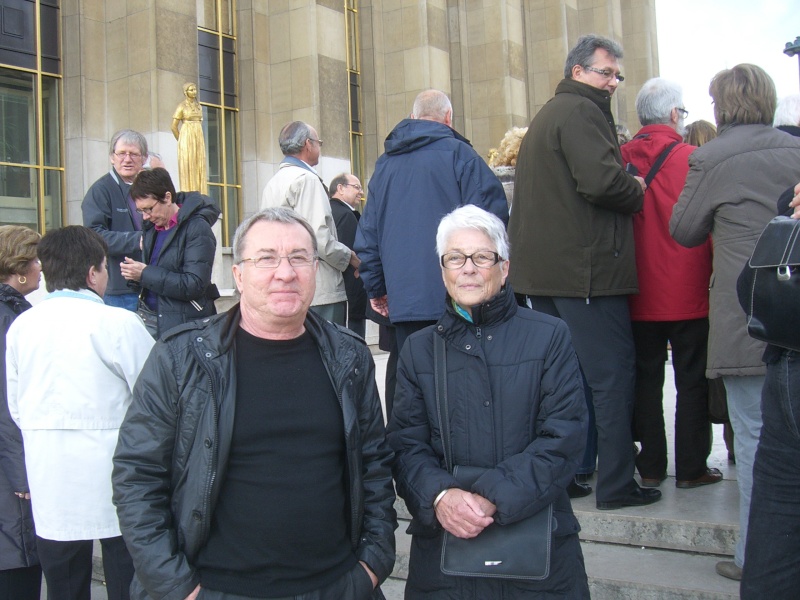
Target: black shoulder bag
x=769, y=285
x=519, y=550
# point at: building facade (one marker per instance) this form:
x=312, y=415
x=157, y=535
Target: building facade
x=72, y=72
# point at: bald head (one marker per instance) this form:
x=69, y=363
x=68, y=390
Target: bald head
x=433, y=105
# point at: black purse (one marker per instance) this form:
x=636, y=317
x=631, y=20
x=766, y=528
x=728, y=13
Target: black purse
x=519, y=550
x=769, y=285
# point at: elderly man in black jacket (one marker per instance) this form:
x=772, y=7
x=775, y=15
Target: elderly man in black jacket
x=253, y=459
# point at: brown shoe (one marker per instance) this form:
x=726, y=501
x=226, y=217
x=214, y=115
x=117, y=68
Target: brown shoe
x=707, y=478
x=728, y=568
x=653, y=482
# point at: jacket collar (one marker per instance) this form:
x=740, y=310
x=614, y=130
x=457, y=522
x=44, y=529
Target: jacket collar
x=600, y=97
x=11, y=297
x=497, y=309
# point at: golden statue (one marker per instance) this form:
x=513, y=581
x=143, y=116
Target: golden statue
x=191, y=145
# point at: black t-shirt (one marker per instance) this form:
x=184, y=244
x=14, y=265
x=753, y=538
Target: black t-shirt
x=280, y=526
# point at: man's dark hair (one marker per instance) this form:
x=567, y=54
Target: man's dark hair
x=153, y=183
x=340, y=179
x=66, y=255
x=582, y=52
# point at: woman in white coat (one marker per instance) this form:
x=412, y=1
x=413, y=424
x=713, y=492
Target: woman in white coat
x=71, y=363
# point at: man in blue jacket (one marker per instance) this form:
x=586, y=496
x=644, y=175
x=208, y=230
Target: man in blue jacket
x=109, y=210
x=428, y=170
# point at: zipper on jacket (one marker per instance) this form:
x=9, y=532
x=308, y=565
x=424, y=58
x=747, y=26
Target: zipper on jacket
x=214, y=457
x=354, y=534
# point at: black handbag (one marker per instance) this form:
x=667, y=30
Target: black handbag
x=520, y=550
x=769, y=285
x=149, y=318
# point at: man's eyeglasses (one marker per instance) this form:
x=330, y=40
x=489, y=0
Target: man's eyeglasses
x=355, y=185
x=313, y=140
x=271, y=261
x=684, y=113
x=607, y=73
x=148, y=210
x=131, y=155
x=482, y=259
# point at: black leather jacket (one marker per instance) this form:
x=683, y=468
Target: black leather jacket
x=174, y=443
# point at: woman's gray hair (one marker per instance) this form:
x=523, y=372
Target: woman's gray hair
x=279, y=214
x=656, y=99
x=584, y=50
x=472, y=217
x=129, y=136
x=293, y=137
x=787, y=111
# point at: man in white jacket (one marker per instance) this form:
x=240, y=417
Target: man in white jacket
x=71, y=363
x=297, y=185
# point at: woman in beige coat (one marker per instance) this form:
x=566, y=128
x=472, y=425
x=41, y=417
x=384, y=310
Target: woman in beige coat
x=731, y=189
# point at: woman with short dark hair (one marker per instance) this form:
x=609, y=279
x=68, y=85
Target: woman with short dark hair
x=177, y=251
x=20, y=573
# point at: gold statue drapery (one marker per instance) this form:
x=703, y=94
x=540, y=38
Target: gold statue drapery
x=187, y=127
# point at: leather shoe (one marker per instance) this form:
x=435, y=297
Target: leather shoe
x=578, y=490
x=728, y=568
x=707, y=478
x=653, y=482
x=639, y=497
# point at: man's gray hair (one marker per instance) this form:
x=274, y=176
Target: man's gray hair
x=788, y=111
x=129, y=136
x=278, y=214
x=656, y=99
x=472, y=217
x=432, y=104
x=584, y=50
x=293, y=137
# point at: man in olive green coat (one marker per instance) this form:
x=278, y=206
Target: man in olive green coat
x=572, y=234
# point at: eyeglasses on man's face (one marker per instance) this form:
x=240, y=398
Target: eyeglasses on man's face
x=482, y=259
x=355, y=185
x=317, y=141
x=683, y=112
x=131, y=155
x=607, y=73
x=273, y=261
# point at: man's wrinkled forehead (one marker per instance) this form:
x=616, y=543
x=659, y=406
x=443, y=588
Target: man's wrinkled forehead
x=271, y=237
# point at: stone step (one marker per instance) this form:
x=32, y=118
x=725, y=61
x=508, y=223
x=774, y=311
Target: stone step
x=702, y=520
x=619, y=572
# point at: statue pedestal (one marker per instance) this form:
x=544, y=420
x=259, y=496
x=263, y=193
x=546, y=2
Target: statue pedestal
x=506, y=176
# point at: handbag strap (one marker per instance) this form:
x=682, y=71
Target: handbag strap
x=440, y=375
x=659, y=161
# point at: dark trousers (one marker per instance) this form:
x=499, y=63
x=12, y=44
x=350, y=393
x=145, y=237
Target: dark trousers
x=602, y=338
x=772, y=554
x=403, y=330
x=689, y=340
x=353, y=585
x=589, y=461
x=67, y=568
x=24, y=583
